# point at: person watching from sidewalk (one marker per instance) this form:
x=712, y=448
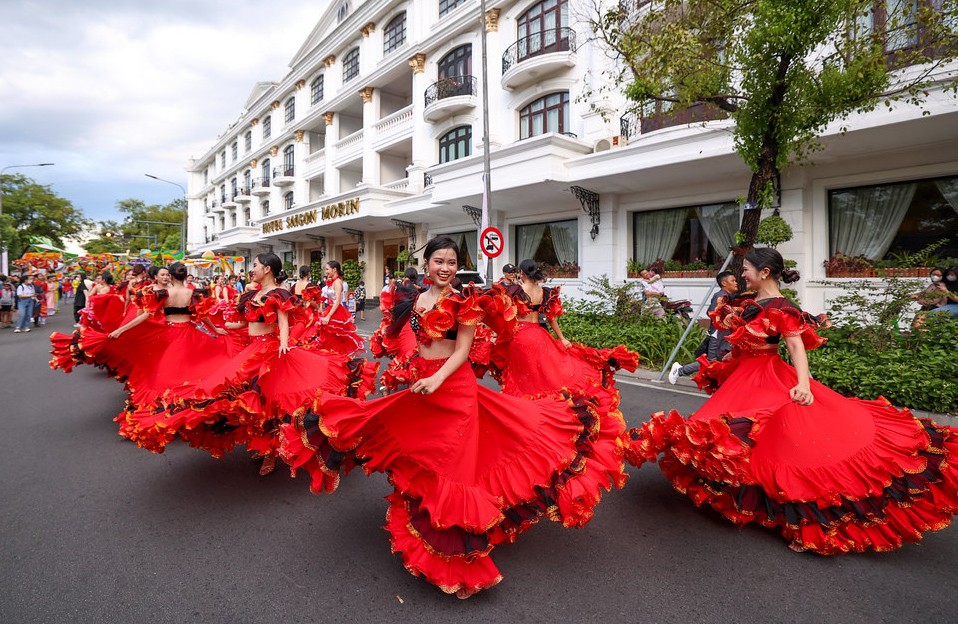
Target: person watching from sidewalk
x=654, y=291
x=510, y=276
x=26, y=298
x=717, y=345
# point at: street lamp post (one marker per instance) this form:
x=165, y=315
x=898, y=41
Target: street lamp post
x=4, y=268
x=185, y=210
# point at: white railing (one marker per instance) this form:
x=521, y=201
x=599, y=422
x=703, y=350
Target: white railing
x=397, y=120
x=316, y=156
x=398, y=185
x=353, y=140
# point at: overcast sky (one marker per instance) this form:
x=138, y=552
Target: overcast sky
x=110, y=90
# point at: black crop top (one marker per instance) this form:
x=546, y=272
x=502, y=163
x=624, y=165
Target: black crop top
x=170, y=310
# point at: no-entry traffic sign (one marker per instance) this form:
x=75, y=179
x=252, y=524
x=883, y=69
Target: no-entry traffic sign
x=492, y=243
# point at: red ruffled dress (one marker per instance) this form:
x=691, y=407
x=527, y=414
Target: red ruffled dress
x=242, y=400
x=186, y=355
x=470, y=467
x=531, y=363
x=841, y=475
x=118, y=356
x=340, y=333
x=401, y=346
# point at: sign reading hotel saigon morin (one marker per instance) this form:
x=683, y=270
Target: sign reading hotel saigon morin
x=325, y=213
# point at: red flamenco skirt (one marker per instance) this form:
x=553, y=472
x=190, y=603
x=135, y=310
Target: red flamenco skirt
x=535, y=364
x=247, y=406
x=103, y=312
x=339, y=334
x=840, y=475
x=188, y=354
x=471, y=468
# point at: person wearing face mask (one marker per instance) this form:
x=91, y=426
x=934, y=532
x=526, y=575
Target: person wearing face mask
x=950, y=292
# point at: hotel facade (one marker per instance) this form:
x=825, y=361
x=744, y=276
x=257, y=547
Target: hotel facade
x=372, y=143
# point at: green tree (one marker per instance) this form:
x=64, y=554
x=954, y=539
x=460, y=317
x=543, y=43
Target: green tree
x=145, y=226
x=31, y=209
x=781, y=69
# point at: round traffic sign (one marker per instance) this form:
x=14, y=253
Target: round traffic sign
x=492, y=242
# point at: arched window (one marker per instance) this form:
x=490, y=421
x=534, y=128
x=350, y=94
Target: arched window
x=543, y=28
x=265, y=206
x=247, y=181
x=316, y=90
x=248, y=140
x=234, y=188
x=394, y=34
x=267, y=126
x=265, y=172
x=351, y=64
x=288, y=201
x=222, y=193
x=343, y=11
x=290, y=110
x=456, y=63
x=455, y=144
x=288, y=160
x=549, y=113
x=234, y=150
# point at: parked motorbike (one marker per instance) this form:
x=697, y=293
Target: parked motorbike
x=680, y=308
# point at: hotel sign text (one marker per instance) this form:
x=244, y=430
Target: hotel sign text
x=325, y=213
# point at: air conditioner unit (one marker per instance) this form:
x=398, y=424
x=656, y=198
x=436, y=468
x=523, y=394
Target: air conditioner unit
x=606, y=144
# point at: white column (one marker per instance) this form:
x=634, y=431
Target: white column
x=371, y=112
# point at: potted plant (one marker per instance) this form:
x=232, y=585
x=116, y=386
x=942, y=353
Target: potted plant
x=632, y=268
x=841, y=265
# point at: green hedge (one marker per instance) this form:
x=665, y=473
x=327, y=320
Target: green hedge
x=918, y=369
x=653, y=339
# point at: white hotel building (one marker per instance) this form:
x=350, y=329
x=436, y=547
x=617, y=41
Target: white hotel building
x=372, y=143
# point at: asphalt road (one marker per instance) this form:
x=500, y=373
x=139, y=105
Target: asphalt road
x=93, y=529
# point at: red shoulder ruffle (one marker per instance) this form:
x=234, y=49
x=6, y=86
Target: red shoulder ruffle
x=276, y=301
x=551, y=303
x=151, y=300
x=452, y=309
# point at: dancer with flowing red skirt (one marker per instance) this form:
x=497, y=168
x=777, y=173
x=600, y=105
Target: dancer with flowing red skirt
x=471, y=468
x=532, y=363
x=773, y=446
x=338, y=332
x=243, y=399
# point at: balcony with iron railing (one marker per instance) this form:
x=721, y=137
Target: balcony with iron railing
x=531, y=58
x=449, y=96
x=284, y=176
x=229, y=201
x=243, y=195
x=261, y=186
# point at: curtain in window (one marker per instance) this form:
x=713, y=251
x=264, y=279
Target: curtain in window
x=720, y=222
x=864, y=221
x=949, y=190
x=467, y=242
x=529, y=237
x=657, y=234
x=565, y=241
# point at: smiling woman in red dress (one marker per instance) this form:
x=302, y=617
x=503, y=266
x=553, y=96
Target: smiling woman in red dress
x=471, y=468
x=773, y=446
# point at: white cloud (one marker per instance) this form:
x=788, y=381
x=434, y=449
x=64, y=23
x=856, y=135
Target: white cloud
x=110, y=91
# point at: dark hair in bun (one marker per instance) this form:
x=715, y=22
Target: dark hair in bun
x=275, y=265
x=178, y=271
x=152, y=271
x=768, y=258
x=138, y=269
x=304, y=271
x=530, y=269
x=107, y=277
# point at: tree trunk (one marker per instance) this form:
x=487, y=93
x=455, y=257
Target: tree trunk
x=767, y=172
